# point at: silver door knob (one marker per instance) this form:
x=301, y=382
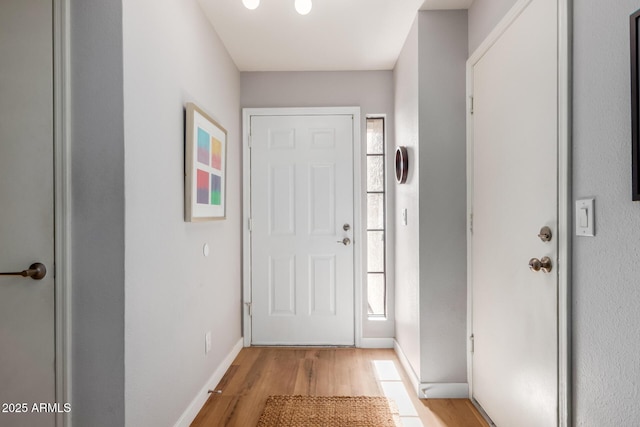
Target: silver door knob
x=346, y=241
x=543, y=264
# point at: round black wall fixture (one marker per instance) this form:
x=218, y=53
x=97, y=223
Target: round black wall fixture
x=402, y=165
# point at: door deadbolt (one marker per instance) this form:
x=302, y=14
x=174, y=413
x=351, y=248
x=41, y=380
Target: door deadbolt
x=543, y=264
x=545, y=234
x=346, y=227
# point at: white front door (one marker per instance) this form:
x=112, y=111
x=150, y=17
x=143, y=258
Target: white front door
x=27, y=320
x=515, y=194
x=302, y=230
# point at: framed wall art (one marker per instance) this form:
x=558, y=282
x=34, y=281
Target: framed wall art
x=205, y=167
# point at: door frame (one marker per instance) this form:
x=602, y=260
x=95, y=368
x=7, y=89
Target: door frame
x=564, y=197
x=358, y=265
x=62, y=206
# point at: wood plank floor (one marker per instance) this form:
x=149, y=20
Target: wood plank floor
x=258, y=372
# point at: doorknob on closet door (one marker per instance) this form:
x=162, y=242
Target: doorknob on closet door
x=36, y=271
x=543, y=264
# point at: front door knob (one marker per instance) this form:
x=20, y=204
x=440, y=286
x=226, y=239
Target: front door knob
x=346, y=241
x=543, y=264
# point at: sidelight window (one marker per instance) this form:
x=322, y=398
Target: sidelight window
x=376, y=218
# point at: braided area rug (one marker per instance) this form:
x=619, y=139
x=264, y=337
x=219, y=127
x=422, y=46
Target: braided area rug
x=329, y=411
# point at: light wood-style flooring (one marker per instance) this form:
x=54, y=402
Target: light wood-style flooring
x=258, y=372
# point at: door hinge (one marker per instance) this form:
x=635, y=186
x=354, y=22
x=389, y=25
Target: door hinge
x=471, y=338
x=471, y=222
x=250, y=224
x=471, y=104
x=249, y=308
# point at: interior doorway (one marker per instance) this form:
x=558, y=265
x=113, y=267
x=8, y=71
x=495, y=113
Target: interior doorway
x=518, y=206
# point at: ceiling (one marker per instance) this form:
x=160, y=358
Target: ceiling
x=336, y=35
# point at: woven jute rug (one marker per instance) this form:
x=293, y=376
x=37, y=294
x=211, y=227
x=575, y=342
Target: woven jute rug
x=329, y=411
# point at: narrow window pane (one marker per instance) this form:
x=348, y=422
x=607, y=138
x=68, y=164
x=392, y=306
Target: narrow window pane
x=375, y=136
x=375, y=211
x=376, y=294
x=375, y=251
x=375, y=173
x=376, y=281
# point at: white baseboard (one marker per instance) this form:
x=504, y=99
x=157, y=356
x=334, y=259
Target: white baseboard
x=406, y=365
x=201, y=398
x=444, y=391
x=376, y=342
x=430, y=390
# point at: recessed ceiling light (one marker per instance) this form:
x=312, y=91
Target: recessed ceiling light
x=251, y=4
x=303, y=6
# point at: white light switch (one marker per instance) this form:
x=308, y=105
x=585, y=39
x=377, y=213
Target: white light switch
x=207, y=342
x=584, y=217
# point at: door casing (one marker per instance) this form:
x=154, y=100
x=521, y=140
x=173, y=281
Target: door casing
x=564, y=196
x=247, y=113
x=62, y=205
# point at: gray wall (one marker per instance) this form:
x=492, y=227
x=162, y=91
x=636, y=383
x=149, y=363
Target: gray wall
x=443, y=196
x=174, y=294
x=606, y=296
x=429, y=81
x=606, y=271
x=97, y=245
x=484, y=15
x=132, y=71
x=372, y=91
x=407, y=237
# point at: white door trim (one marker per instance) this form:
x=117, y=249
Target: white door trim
x=564, y=195
x=62, y=208
x=247, y=113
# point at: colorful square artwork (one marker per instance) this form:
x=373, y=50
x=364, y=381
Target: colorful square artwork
x=205, y=166
x=202, y=187
x=216, y=154
x=203, y=146
x=216, y=190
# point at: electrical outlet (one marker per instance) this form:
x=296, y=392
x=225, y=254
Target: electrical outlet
x=207, y=342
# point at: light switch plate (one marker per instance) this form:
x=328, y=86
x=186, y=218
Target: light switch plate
x=207, y=342
x=585, y=217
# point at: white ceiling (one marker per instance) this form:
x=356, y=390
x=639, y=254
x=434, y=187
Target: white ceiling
x=336, y=35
